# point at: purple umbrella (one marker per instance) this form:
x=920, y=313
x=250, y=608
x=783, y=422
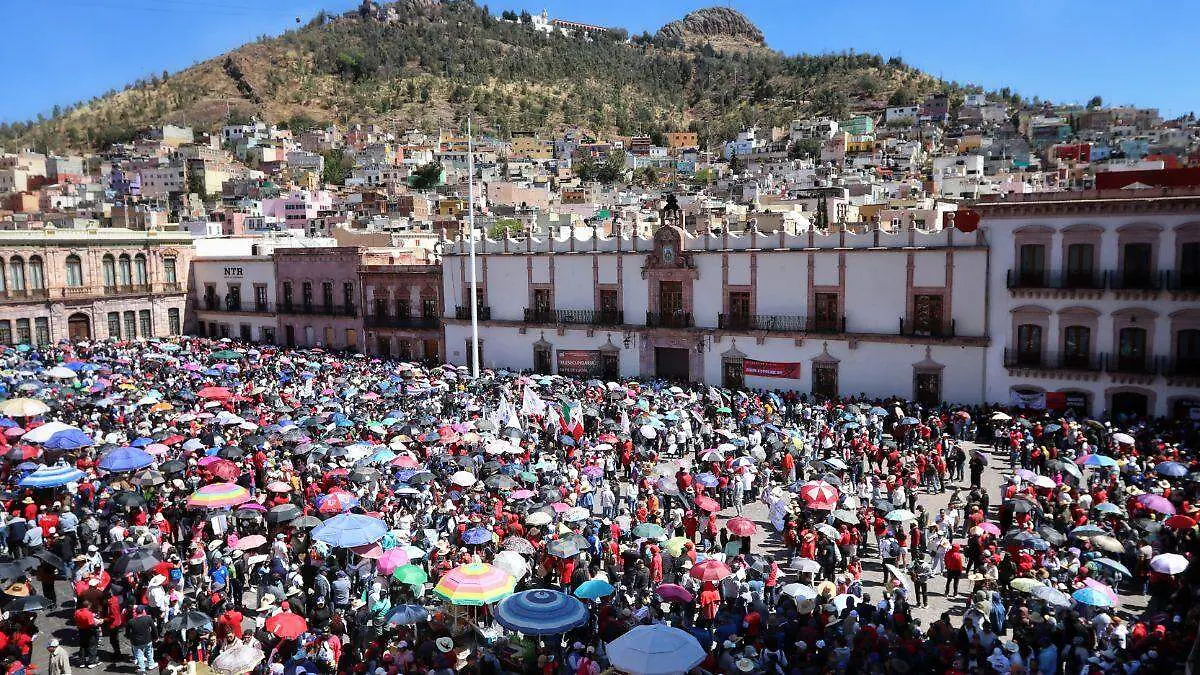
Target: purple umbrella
x=673, y=592
x=1156, y=503
x=593, y=471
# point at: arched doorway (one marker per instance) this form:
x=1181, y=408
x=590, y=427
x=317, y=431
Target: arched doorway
x=1129, y=404
x=79, y=327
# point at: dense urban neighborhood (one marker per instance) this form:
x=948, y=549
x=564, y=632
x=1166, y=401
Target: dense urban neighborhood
x=305, y=391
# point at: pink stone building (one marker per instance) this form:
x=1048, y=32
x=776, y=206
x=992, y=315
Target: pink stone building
x=319, y=297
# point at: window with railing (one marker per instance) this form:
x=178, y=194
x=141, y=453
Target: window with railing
x=1081, y=265
x=287, y=295
x=1131, y=349
x=130, y=324
x=16, y=269
x=41, y=330
x=174, y=323
x=145, y=323
x=6, y=332
x=1029, y=344
x=1031, y=265
x=826, y=313
x=24, y=332
x=327, y=295
x=1137, y=271
x=114, y=325
x=124, y=270
x=139, y=270
x=1077, y=346
x=170, y=273
x=306, y=294
x=1188, y=273
x=1187, y=352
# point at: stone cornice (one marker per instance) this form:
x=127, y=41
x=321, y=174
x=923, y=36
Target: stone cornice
x=1086, y=206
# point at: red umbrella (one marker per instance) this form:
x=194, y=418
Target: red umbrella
x=707, y=503
x=225, y=470
x=1180, y=522
x=673, y=592
x=338, y=502
x=173, y=439
x=819, y=495
x=215, y=393
x=742, y=527
x=710, y=570
x=287, y=625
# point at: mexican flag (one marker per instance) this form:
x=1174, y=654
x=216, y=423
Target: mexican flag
x=571, y=419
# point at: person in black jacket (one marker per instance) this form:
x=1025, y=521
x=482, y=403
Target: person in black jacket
x=142, y=631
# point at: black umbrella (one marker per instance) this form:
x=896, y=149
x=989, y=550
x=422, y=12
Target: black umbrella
x=190, y=620
x=29, y=603
x=883, y=505
x=136, y=562
x=283, y=513
x=562, y=548
x=500, y=483
x=420, y=478
x=128, y=499
x=231, y=452
x=173, y=466
x=1022, y=505
x=363, y=475
x=1052, y=535
x=306, y=522
x=149, y=478
x=10, y=571
x=50, y=559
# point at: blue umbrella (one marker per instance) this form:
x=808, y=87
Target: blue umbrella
x=1172, y=469
x=1108, y=507
x=477, y=535
x=541, y=612
x=1091, y=596
x=908, y=421
x=51, y=476
x=1112, y=565
x=707, y=479
x=68, y=439
x=593, y=589
x=1100, y=460
x=407, y=615
x=1086, y=531
x=141, y=442
x=879, y=412
x=347, y=530
x=126, y=459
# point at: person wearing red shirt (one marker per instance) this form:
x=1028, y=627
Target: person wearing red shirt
x=710, y=600
x=88, y=625
x=954, y=563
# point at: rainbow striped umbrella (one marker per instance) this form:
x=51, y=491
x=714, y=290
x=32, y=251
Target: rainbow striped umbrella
x=218, y=496
x=475, y=584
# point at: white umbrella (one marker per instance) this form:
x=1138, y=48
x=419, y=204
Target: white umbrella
x=799, y=591
x=807, y=565
x=1043, y=481
x=1168, y=563
x=511, y=562
x=1001, y=417
x=463, y=478
x=23, y=407
x=237, y=659
x=43, y=433
x=655, y=650
x=648, y=431
x=1123, y=439
x=61, y=373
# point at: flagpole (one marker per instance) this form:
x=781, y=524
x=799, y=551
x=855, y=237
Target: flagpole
x=471, y=239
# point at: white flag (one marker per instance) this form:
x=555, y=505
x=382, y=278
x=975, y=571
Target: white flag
x=531, y=403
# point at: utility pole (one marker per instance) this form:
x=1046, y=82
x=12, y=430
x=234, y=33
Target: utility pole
x=471, y=240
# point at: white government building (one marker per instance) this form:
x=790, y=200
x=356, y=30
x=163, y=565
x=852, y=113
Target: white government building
x=1083, y=300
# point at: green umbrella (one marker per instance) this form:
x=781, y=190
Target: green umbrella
x=649, y=531
x=226, y=355
x=410, y=574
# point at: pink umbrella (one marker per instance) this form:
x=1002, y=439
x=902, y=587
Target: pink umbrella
x=205, y=461
x=1156, y=503
x=404, y=462
x=372, y=551
x=673, y=592
x=391, y=559
x=252, y=506
x=251, y=542
x=156, y=449
x=560, y=507
x=192, y=366
x=13, y=432
x=991, y=528
x=1103, y=588
x=521, y=494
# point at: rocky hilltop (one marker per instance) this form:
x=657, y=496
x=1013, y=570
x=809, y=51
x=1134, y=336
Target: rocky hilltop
x=719, y=26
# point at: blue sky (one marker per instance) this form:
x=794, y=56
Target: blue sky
x=1056, y=49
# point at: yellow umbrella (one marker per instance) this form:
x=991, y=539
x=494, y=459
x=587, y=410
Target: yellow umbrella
x=161, y=406
x=675, y=545
x=23, y=407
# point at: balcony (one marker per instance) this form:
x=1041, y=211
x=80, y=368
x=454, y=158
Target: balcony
x=26, y=294
x=1182, y=367
x=765, y=322
x=214, y=305
x=415, y=322
x=1126, y=280
x=1039, y=360
x=321, y=310
x=1063, y=280
x=126, y=289
x=172, y=287
x=584, y=317
x=827, y=324
x=677, y=319
x=937, y=330
x=463, y=312
x=1183, y=281
x=1144, y=364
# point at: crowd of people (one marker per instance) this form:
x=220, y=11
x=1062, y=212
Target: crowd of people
x=196, y=503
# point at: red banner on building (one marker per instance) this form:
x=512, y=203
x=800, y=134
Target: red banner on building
x=578, y=362
x=788, y=370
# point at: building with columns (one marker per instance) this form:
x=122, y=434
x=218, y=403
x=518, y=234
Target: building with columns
x=853, y=309
x=92, y=283
x=1095, y=301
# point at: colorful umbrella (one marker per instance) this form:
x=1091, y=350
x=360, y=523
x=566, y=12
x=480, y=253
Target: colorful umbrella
x=474, y=584
x=218, y=496
x=819, y=495
x=541, y=612
x=391, y=559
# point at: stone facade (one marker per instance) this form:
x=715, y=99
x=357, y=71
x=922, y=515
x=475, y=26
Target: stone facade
x=318, y=297
x=92, y=284
x=403, y=306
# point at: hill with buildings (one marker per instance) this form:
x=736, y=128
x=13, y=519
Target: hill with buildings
x=421, y=63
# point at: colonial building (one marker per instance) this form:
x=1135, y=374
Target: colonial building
x=403, y=302
x=234, y=297
x=92, y=283
x=318, y=299
x=853, y=309
x=1095, y=301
